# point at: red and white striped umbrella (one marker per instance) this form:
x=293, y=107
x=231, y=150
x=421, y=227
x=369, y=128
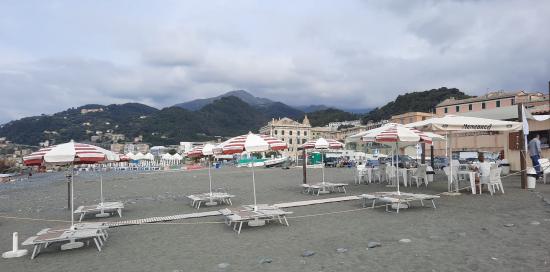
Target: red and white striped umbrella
x=250, y=142
x=323, y=143
x=69, y=153
x=201, y=151
x=395, y=133
x=66, y=153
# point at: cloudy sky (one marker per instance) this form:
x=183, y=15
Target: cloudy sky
x=354, y=54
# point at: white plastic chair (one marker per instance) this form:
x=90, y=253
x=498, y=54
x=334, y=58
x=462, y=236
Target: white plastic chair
x=450, y=181
x=545, y=168
x=420, y=174
x=495, y=183
x=359, y=173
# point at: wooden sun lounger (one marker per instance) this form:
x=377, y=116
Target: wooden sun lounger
x=391, y=198
x=198, y=199
x=47, y=237
x=107, y=207
x=245, y=214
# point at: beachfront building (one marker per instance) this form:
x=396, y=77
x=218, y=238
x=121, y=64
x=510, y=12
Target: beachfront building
x=410, y=117
x=489, y=101
x=499, y=106
x=291, y=132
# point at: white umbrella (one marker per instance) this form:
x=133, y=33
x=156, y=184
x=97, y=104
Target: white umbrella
x=464, y=123
x=250, y=143
x=67, y=154
x=323, y=144
x=205, y=151
x=392, y=133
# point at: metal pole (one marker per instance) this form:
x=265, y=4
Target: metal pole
x=432, y=156
x=254, y=185
x=210, y=174
x=304, y=165
x=397, y=166
x=423, y=158
x=72, y=196
x=68, y=193
x=522, y=144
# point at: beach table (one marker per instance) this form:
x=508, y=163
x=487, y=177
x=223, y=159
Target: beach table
x=218, y=197
x=393, y=198
x=328, y=187
x=247, y=214
x=105, y=207
x=46, y=237
x=472, y=178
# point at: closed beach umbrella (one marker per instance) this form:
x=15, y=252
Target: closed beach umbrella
x=67, y=154
x=250, y=143
x=323, y=144
x=393, y=134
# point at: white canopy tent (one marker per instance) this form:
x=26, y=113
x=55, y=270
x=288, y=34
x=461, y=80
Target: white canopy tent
x=450, y=123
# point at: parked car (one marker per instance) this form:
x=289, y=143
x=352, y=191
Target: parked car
x=405, y=161
x=331, y=162
x=440, y=162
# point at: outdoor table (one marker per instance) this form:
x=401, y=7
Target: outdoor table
x=472, y=178
x=391, y=198
x=218, y=197
x=253, y=217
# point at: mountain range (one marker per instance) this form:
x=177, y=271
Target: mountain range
x=230, y=114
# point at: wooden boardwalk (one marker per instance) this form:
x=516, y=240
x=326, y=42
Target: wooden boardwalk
x=215, y=213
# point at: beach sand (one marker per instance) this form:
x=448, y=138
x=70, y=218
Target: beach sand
x=464, y=233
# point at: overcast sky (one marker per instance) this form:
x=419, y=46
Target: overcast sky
x=354, y=54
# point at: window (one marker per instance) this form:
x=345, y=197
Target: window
x=275, y=132
x=483, y=106
x=289, y=141
x=513, y=100
x=303, y=141
x=446, y=110
x=470, y=107
x=282, y=132
x=298, y=133
x=457, y=108
x=498, y=103
x=305, y=133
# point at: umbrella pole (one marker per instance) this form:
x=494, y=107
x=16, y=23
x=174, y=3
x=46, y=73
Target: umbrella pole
x=397, y=166
x=101, y=186
x=254, y=186
x=72, y=196
x=323, y=169
x=210, y=175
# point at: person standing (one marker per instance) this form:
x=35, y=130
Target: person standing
x=534, y=153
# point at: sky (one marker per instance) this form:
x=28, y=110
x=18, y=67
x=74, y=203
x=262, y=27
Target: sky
x=350, y=54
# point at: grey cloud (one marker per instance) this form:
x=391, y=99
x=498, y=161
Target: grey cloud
x=349, y=54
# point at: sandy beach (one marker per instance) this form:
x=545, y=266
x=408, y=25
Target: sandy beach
x=464, y=233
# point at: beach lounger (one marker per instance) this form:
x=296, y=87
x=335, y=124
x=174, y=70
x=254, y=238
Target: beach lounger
x=48, y=237
x=220, y=197
x=106, y=207
x=245, y=214
x=393, y=200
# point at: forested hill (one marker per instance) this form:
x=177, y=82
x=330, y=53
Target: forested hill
x=415, y=101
